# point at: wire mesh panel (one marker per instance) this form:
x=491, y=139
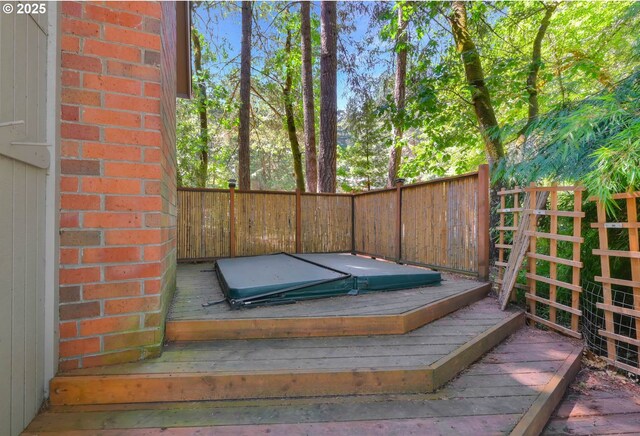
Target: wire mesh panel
x=621, y=295
x=553, y=275
x=511, y=206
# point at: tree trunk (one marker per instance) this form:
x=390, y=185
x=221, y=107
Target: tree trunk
x=328, y=98
x=532, y=77
x=307, y=99
x=291, y=124
x=244, y=163
x=201, y=102
x=483, y=108
x=395, y=155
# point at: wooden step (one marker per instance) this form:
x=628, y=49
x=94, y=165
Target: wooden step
x=323, y=326
x=419, y=361
x=513, y=388
x=377, y=313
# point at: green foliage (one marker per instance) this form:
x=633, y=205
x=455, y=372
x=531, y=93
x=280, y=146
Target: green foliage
x=595, y=141
x=587, y=92
x=271, y=163
x=362, y=153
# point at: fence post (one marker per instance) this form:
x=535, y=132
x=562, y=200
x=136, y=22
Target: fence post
x=203, y=233
x=399, y=183
x=483, y=222
x=298, y=221
x=353, y=223
x=232, y=218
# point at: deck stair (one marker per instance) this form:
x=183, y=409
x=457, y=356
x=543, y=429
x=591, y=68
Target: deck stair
x=429, y=379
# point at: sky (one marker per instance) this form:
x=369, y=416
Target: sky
x=229, y=27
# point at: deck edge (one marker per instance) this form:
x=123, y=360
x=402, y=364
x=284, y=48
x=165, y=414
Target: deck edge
x=332, y=326
x=452, y=364
x=146, y=388
x=536, y=417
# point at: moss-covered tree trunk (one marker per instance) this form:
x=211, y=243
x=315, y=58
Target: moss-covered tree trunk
x=291, y=123
x=201, y=101
x=481, y=98
x=311, y=159
x=532, y=76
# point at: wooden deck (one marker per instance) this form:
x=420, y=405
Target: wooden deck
x=376, y=313
x=380, y=363
x=597, y=403
x=419, y=361
x=509, y=389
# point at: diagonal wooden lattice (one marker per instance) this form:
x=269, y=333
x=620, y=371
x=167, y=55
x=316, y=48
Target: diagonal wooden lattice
x=610, y=306
x=511, y=202
x=552, y=305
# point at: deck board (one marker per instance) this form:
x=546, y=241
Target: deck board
x=273, y=368
x=376, y=313
x=309, y=354
x=598, y=403
x=197, y=284
x=489, y=398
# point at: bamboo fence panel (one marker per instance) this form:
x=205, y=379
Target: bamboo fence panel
x=264, y=223
x=551, y=304
x=326, y=223
x=203, y=223
x=189, y=225
x=440, y=223
x=375, y=223
x=215, y=223
x=433, y=223
x=612, y=307
x=509, y=212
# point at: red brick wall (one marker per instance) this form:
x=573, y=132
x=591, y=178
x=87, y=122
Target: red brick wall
x=118, y=193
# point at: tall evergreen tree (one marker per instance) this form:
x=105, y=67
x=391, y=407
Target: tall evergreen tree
x=399, y=92
x=201, y=97
x=328, y=98
x=311, y=159
x=290, y=117
x=244, y=157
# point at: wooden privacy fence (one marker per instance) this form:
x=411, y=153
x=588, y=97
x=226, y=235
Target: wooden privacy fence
x=214, y=223
x=619, y=332
x=442, y=223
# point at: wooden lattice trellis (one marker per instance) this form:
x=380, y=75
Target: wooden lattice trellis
x=610, y=306
x=533, y=278
x=509, y=219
